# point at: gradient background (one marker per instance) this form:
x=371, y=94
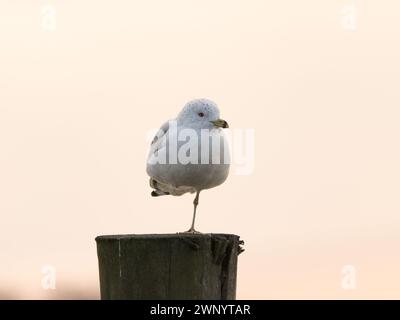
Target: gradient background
x=77, y=103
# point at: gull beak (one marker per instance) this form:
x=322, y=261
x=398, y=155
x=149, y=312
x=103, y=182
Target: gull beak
x=219, y=123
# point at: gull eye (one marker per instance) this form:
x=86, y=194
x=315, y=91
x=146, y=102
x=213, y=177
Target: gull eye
x=201, y=114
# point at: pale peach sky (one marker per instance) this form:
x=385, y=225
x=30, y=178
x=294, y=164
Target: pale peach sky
x=77, y=102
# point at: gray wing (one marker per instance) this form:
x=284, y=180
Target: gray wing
x=159, y=137
x=157, y=143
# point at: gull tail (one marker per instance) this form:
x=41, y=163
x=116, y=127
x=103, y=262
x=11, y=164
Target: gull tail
x=157, y=191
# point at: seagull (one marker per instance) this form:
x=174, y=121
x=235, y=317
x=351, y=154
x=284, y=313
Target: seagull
x=190, y=153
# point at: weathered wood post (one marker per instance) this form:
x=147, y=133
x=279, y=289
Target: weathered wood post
x=168, y=266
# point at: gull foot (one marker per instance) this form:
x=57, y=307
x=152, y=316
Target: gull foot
x=192, y=231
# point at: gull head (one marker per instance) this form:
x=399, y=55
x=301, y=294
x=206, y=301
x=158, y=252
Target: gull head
x=201, y=114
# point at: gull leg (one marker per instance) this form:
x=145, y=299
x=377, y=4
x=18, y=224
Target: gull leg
x=195, y=203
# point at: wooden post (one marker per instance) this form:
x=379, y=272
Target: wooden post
x=168, y=266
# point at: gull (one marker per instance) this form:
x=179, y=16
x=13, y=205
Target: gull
x=189, y=153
